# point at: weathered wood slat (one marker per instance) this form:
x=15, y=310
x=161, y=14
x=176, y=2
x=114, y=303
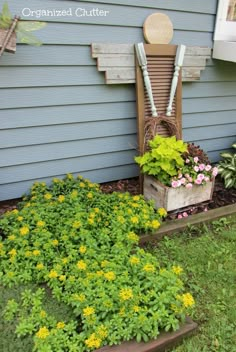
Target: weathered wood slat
x=165, y=340
x=117, y=60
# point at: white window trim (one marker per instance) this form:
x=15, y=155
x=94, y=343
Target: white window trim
x=225, y=34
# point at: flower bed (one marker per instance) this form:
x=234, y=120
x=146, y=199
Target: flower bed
x=84, y=245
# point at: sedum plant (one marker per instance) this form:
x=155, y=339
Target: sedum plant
x=83, y=245
x=164, y=158
x=227, y=168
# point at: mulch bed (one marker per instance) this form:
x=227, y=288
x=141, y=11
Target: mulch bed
x=221, y=196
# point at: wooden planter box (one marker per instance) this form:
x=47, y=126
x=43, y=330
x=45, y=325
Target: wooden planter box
x=176, y=198
x=11, y=45
x=165, y=340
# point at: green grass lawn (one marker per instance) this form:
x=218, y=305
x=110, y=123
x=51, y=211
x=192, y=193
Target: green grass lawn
x=208, y=256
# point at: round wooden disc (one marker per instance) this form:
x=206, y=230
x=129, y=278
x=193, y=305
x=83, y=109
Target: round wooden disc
x=158, y=29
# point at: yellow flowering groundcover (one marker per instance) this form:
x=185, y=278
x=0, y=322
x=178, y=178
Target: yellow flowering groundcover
x=83, y=244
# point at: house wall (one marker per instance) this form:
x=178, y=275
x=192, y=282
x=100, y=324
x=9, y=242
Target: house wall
x=57, y=115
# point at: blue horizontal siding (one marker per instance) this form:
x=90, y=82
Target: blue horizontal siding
x=15, y=190
x=75, y=165
x=49, y=55
x=69, y=149
x=120, y=16
x=200, y=6
x=57, y=115
x=55, y=96
x=59, y=133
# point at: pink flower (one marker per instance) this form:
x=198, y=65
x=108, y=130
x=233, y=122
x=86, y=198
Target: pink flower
x=205, y=209
x=196, y=168
x=198, y=181
x=190, y=179
x=195, y=159
x=175, y=184
x=180, y=175
x=206, y=178
x=202, y=167
x=214, y=171
x=180, y=216
x=185, y=215
x=200, y=177
x=189, y=185
x=186, y=175
x=208, y=167
x=183, y=180
x=187, y=161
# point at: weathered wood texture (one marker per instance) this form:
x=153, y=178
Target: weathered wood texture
x=10, y=45
x=175, y=198
x=174, y=226
x=164, y=341
x=118, y=63
x=160, y=59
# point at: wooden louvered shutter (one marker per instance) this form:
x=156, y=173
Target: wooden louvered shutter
x=160, y=58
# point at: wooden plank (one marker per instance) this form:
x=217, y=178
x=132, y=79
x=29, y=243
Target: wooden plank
x=175, y=226
x=114, y=57
x=120, y=81
x=120, y=74
x=175, y=198
x=164, y=340
x=98, y=49
x=119, y=60
x=194, y=61
x=191, y=74
x=198, y=51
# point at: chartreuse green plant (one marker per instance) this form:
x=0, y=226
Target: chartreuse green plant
x=83, y=245
x=227, y=168
x=164, y=158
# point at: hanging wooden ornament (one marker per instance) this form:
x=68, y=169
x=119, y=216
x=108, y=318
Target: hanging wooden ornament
x=158, y=29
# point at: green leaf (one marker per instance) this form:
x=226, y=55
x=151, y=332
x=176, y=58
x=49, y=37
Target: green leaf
x=229, y=183
x=29, y=26
x=138, y=337
x=226, y=155
x=28, y=38
x=5, y=17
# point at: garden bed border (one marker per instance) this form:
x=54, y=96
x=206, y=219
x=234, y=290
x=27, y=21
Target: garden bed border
x=178, y=225
x=164, y=340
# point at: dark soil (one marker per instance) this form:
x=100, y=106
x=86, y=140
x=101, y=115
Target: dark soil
x=221, y=196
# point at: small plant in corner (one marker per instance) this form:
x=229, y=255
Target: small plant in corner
x=227, y=168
